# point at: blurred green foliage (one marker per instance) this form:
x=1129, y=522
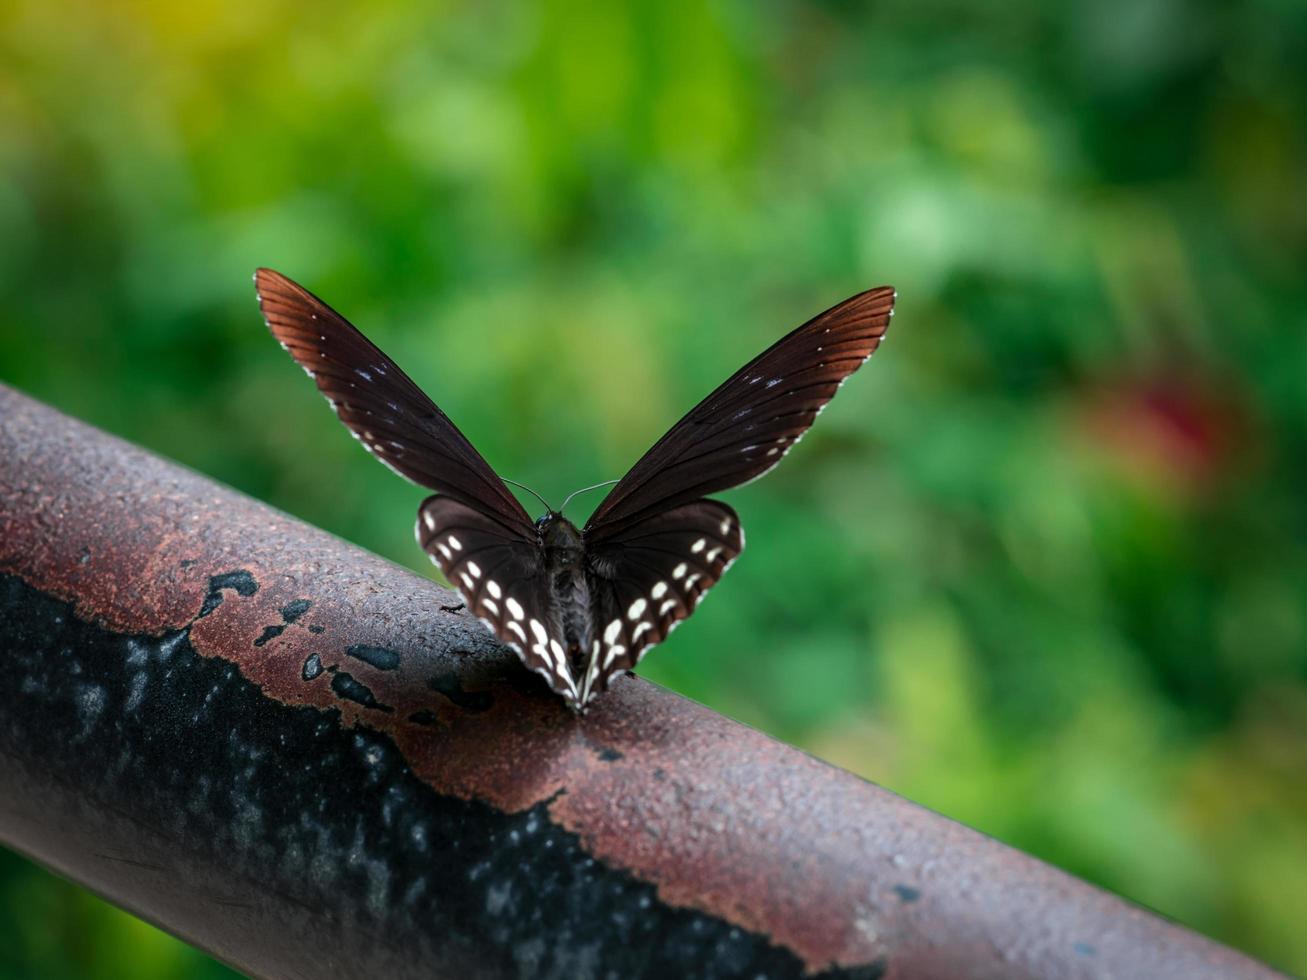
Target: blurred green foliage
x=1042, y=566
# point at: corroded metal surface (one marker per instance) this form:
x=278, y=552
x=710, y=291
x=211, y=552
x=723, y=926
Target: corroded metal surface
x=313, y=763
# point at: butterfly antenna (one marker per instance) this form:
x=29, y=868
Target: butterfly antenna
x=523, y=486
x=606, y=483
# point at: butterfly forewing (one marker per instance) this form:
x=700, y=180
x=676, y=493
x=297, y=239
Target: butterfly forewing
x=753, y=419
x=503, y=581
x=381, y=406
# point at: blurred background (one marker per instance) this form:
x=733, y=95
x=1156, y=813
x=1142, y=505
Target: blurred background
x=1043, y=564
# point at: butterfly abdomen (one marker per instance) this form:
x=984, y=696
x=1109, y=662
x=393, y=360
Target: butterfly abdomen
x=572, y=600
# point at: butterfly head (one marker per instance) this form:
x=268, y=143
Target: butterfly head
x=556, y=531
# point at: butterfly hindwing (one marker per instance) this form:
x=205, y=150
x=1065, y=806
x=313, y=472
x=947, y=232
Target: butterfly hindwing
x=503, y=581
x=643, y=586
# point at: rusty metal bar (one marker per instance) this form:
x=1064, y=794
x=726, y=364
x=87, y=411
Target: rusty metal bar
x=313, y=763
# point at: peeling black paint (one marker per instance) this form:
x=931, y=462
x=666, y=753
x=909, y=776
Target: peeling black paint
x=378, y=657
x=451, y=687
x=269, y=633
x=312, y=667
x=240, y=580
x=872, y=971
x=347, y=686
x=289, y=612
x=294, y=610
x=331, y=819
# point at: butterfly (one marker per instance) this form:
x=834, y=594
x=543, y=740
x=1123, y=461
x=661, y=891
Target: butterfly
x=581, y=607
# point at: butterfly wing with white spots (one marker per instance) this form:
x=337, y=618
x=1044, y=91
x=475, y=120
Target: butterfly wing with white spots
x=654, y=546
x=753, y=419
x=475, y=529
x=390, y=415
x=503, y=581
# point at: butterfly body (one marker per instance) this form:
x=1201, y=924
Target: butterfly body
x=565, y=569
x=581, y=606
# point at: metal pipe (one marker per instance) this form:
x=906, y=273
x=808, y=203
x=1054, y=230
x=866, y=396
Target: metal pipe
x=313, y=763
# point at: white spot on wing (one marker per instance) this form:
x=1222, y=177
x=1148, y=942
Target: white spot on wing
x=515, y=608
x=591, y=671
x=455, y=543
x=666, y=607
x=659, y=590
x=538, y=628
x=613, y=653
x=679, y=570
x=613, y=631
x=493, y=588
x=430, y=521
x=637, y=608
x=474, y=569
x=517, y=628
x=489, y=603
x=698, y=546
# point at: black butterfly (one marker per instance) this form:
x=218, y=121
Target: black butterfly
x=581, y=606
